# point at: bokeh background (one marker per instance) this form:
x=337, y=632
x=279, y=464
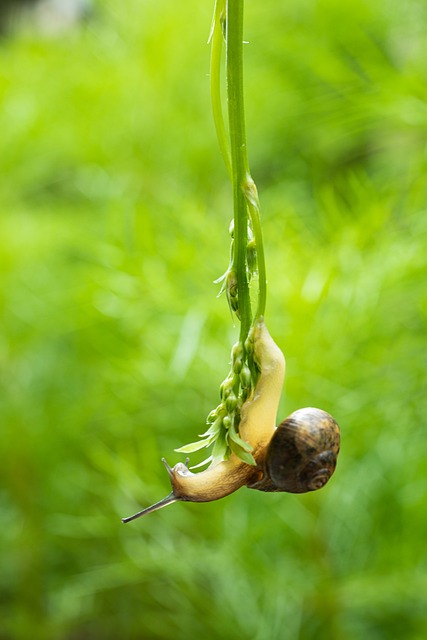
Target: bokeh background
x=113, y=225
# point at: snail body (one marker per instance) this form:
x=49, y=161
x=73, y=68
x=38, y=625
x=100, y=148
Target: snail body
x=298, y=456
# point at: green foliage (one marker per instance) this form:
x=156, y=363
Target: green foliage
x=114, y=223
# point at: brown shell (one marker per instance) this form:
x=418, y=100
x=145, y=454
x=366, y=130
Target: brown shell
x=303, y=451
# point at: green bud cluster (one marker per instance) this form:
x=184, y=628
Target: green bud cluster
x=229, y=278
x=223, y=422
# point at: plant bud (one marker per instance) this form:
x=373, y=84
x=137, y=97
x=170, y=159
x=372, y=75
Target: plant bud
x=231, y=402
x=245, y=377
x=226, y=388
x=227, y=422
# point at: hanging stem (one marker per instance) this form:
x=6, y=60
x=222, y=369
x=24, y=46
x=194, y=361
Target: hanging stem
x=244, y=190
x=217, y=37
x=251, y=195
x=224, y=421
x=239, y=159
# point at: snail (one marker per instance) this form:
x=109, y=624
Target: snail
x=298, y=456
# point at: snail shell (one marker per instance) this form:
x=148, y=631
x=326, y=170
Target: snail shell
x=302, y=454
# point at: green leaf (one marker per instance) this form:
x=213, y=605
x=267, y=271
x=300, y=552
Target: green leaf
x=213, y=430
x=220, y=449
x=241, y=453
x=202, y=464
x=195, y=446
x=234, y=436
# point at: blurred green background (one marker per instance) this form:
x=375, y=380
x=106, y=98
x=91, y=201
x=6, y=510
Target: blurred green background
x=114, y=214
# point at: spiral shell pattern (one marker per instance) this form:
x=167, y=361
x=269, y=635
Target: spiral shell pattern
x=303, y=451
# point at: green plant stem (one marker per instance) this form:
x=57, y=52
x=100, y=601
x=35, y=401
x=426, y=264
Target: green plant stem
x=251, y=195
x=235, y=63
x=215, y=83
x=224, y=420
x=239, y=160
